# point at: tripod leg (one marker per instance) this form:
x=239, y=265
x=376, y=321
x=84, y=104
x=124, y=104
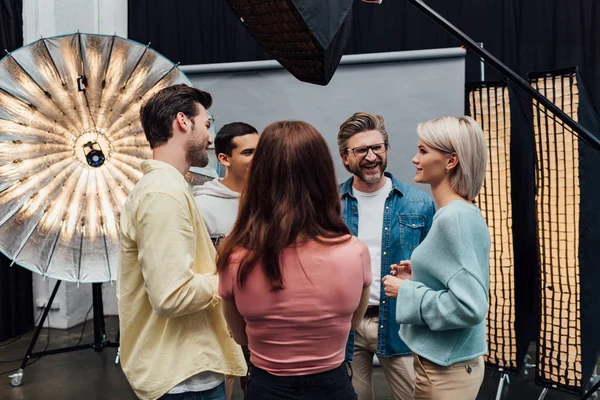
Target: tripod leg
x=592, y=390
x=99, y=334
x=543, y=394
x=16, y=378
x=117, y=339
x=504, y=379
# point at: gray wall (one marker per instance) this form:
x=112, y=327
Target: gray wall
x=405, y=88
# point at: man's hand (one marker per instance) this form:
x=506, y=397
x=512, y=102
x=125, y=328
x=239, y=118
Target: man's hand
x=391, y=285
x=401, y=270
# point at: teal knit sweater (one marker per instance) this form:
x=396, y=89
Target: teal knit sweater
x=441, y=311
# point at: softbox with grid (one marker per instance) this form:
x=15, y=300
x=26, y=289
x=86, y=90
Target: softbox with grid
x=307, y=37
x=506, y=201
x=568, y=213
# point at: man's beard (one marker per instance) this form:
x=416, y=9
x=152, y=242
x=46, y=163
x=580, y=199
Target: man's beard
x=196, y=154
x=365, y=175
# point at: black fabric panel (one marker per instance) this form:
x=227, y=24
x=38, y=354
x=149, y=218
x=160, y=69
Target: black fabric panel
x=527, y=35
x=11, y=25
x=16, y=298
x=324, y=19
x=524, y=225
x=192, y=31
x=589, y=234
x=525, y=245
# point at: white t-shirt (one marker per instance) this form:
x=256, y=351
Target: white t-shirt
x=370, y=225
x=199, y=383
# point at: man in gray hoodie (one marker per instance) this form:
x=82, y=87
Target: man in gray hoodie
x=218, y=199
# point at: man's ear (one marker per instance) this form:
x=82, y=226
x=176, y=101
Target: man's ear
x=181, y=123
x=345, y=158
x=223, y=159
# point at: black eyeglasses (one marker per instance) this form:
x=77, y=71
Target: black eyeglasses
x=210, y=120
x=362, y=151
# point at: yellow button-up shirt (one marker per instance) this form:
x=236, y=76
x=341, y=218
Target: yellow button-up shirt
x=171, y=322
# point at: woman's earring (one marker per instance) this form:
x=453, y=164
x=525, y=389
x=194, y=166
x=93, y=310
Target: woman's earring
x=447, y=170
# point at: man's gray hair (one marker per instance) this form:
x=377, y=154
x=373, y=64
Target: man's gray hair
x=358, y=123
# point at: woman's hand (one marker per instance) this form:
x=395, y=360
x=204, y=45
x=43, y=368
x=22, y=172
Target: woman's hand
x=391, y=285
x=401, y=270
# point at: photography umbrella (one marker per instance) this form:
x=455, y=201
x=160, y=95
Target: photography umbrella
x=71, y=146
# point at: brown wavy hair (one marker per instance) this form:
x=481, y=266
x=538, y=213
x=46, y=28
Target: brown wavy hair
x=290, y=195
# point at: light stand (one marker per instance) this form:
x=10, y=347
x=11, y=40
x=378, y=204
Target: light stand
x=504, y=379
x=99, y=343
x=592, y=392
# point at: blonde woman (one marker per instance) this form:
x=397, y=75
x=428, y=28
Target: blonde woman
x=442, y=292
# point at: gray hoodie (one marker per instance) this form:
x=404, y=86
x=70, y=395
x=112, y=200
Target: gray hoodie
x=218, y=206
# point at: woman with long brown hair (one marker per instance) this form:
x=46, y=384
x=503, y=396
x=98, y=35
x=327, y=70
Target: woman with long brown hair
x=292, y=278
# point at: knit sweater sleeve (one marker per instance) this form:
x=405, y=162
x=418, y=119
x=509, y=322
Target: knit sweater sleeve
x=463, y=302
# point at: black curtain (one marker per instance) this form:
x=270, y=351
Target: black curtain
x=16, y=298
x=589, y=232
x=192, y=31
x=527, y=35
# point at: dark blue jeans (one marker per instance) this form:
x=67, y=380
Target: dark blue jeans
x=335, y=384
x=217, y=393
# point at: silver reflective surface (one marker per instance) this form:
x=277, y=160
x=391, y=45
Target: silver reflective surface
x=59, y=216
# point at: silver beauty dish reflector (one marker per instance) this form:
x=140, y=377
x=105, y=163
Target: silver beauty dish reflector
x=71, y=146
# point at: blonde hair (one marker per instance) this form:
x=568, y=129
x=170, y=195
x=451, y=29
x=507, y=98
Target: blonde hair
x=358, y=123
x=463, y=136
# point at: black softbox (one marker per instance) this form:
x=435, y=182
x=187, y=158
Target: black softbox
x=567, y=192
x=307, y=37
x=540, y=200
x=507, y=203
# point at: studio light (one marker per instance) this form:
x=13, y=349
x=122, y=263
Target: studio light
x=93, y=154
x=307, y=37
x=489, y=105
x=568, y=226
x=71, y=146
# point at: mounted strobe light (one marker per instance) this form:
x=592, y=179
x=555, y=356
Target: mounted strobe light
x=93, y=154
x=307, y=37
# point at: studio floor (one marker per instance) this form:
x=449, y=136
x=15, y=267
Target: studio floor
x=88, y=375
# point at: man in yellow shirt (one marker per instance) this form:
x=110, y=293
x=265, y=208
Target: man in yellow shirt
x=174, y=340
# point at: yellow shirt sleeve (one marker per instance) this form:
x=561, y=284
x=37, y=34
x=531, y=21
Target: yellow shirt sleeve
x=166, y=250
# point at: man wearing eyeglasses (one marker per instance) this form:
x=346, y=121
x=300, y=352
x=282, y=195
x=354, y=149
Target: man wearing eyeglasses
x=392, y=218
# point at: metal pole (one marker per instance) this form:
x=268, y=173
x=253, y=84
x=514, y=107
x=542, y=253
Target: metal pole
x=482, y=66
x=16, y=379
x=510, y=75
x=40, y=325
x=504, y=379
x=592, y=390
x=98, y=316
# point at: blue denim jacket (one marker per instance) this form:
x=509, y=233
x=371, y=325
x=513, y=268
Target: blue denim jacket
x=407, y=218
